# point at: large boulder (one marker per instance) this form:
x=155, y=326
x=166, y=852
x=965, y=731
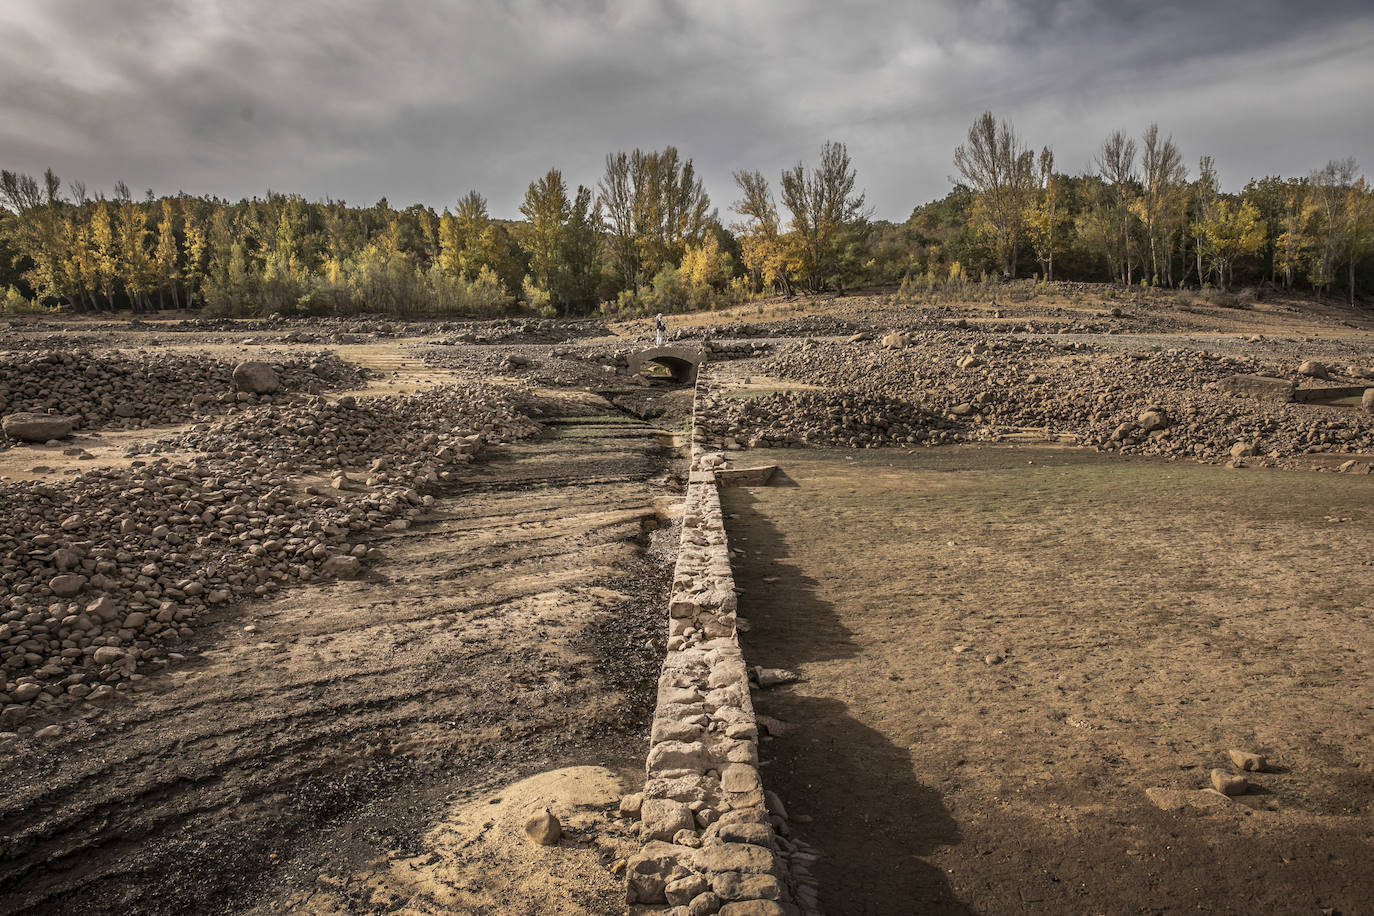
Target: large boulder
x=1314, y=369
x=1262, y=387
x=256, y=377
x=37, y=427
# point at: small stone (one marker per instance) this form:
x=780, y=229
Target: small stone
x=771, y=677
x=683, y=891
x=773, y=801
x=341, y=567
x=741, y=857
x=1252, y=763
x=107, y=655
x=1314, y=369
x=256, y=376
x=732, y=886
x=775, y=727
x=739, y=777
x=688, y=837
x=1229, y=784
x=1152, y=419
x=543, y=828
x=51, y=731
x=1178, y=799
x=25, y=692
x=993, y=659
x=65, y=586
x=662, y=818
x=707, y=904
x=753, y=908
x=630, y=804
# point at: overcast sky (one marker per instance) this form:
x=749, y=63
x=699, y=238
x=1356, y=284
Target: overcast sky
x=421, y=101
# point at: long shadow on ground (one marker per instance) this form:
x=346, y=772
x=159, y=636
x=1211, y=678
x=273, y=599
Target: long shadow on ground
x=872, y=818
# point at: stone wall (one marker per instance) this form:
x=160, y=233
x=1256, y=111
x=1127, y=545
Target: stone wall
x=709, y=831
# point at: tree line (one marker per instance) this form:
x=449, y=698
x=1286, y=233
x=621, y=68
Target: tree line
x=646, y=237
x=1138, y=216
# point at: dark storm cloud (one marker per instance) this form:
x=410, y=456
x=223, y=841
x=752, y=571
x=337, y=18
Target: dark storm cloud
x=422, y=101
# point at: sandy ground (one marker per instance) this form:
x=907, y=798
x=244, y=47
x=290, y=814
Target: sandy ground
x=319, y=745
x=1004, y=648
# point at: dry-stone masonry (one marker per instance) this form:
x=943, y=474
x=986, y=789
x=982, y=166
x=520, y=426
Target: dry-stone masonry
x=710, y=841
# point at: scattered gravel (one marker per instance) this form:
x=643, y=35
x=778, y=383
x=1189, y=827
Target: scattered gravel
x=104, y=574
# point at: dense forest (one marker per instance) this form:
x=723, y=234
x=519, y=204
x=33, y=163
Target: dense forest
x=647, y=239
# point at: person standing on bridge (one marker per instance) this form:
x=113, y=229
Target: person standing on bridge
x=661, y=327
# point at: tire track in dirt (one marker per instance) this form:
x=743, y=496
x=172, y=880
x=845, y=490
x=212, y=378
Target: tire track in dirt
x=511, y=631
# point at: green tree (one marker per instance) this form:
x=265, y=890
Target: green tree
x=562, y=242
x=165, y=254
x=653, y=206
x=1161, y=203
x=1044, y=220
x=822, y=203
x=1001, y=173
x=1116, y=166
x=762, y=249
x=1228, y=232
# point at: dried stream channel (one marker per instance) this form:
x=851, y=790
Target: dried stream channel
x=514, y=630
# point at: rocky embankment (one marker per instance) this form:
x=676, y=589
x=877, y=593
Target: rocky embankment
x=921, y=387
x=134, y=390
x=104, y=574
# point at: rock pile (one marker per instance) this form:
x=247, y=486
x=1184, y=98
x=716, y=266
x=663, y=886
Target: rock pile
x=105, y=574
x=826, y=418
x=979, y=384
x=138, y=390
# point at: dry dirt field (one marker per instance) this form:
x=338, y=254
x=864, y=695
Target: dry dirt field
x=354, y=746
x=1005, y=647
x=371, y=744
x=324, y=735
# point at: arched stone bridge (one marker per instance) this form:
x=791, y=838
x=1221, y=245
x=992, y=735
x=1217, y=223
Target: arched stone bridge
x=681, y=362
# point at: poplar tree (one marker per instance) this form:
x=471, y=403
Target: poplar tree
x=822, y=203
x=1116, y=166
x=1228, y=232
x=1165, y=175
x=1043, y=217
x=653, y=205
x=1001, y=173
x=166, y=252
x=562, y=241
x=761, y=245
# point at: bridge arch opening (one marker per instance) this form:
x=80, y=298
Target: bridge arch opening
x=676, y=363
x=680, y=370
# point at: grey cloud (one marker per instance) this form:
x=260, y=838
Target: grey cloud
x=421, y=101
